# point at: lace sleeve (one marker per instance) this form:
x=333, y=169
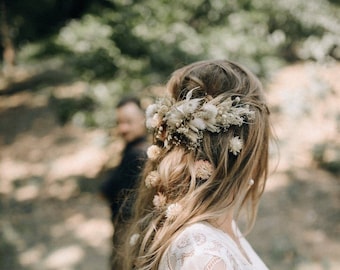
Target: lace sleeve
x=210, y=263
x=192, y=251
x=194, y=262
x=202, y=247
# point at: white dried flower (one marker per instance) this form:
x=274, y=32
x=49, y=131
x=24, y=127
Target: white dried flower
x=151, y=110
x=133, y=239
x=209, y=112
x=203, y=169
x=153, y=152
x=236, y=145
x=159, y=201
x=173, y=211
x=153, y=122
x=188, y=106
x=197, y=124
x=152, y=179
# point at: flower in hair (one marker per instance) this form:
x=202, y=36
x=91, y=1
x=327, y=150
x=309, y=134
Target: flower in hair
x=133, y=239
x=152, y=179
x=153, y=121
x=203, y=169
x=173, y=211
x=153, y=152
x=236, y=145
x=159, y=201
x=184, y=122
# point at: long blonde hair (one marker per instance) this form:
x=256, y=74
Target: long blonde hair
x=228, y=184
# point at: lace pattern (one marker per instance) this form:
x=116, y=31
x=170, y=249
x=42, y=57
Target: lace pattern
x=203, y=247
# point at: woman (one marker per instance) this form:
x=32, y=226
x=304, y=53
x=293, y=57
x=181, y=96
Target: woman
x=208, y=162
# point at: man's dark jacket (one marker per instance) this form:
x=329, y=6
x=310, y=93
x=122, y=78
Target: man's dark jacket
x=118, y=188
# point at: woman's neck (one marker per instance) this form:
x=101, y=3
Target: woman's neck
x=225, y=222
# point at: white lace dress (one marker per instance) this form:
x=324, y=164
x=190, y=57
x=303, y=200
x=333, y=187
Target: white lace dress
x=204, y=247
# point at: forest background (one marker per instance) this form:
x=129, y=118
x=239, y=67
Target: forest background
x=65, y=64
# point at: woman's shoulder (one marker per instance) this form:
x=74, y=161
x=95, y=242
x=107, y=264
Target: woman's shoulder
x=197, y=239
x=195, y=234
x=202, y=246
x=197, y=246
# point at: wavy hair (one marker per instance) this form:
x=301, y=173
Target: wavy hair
x=228, y=185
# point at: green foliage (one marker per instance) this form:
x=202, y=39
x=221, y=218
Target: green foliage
x=90, y=48
x=162, y=35
x=132, y=44
x=31, y=21
x=262, y=34
x=66, y=108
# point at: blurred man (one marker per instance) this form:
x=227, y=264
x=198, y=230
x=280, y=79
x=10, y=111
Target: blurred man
x=118, y=188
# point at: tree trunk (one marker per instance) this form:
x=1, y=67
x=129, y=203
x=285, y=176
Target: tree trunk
x=7, y=44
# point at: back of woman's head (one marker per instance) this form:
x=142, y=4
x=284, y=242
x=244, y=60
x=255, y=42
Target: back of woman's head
x=221, y=80
x=210, y=143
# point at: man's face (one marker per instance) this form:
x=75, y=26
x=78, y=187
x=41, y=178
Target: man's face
x=130, y=122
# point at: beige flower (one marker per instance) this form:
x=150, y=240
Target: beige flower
x=152, y=179
x=159, y=201
x=173, y=211
x=151, y=110
x=203, y=169
x=153, y=152
x=236, y=145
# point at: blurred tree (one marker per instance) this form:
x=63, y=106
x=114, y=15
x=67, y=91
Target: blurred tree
x=23, y=22
x=7, y=44
x=164, y=34
x=130, y=44
x=30, y=22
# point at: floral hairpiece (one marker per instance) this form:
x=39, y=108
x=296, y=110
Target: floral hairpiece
x=184, y=122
